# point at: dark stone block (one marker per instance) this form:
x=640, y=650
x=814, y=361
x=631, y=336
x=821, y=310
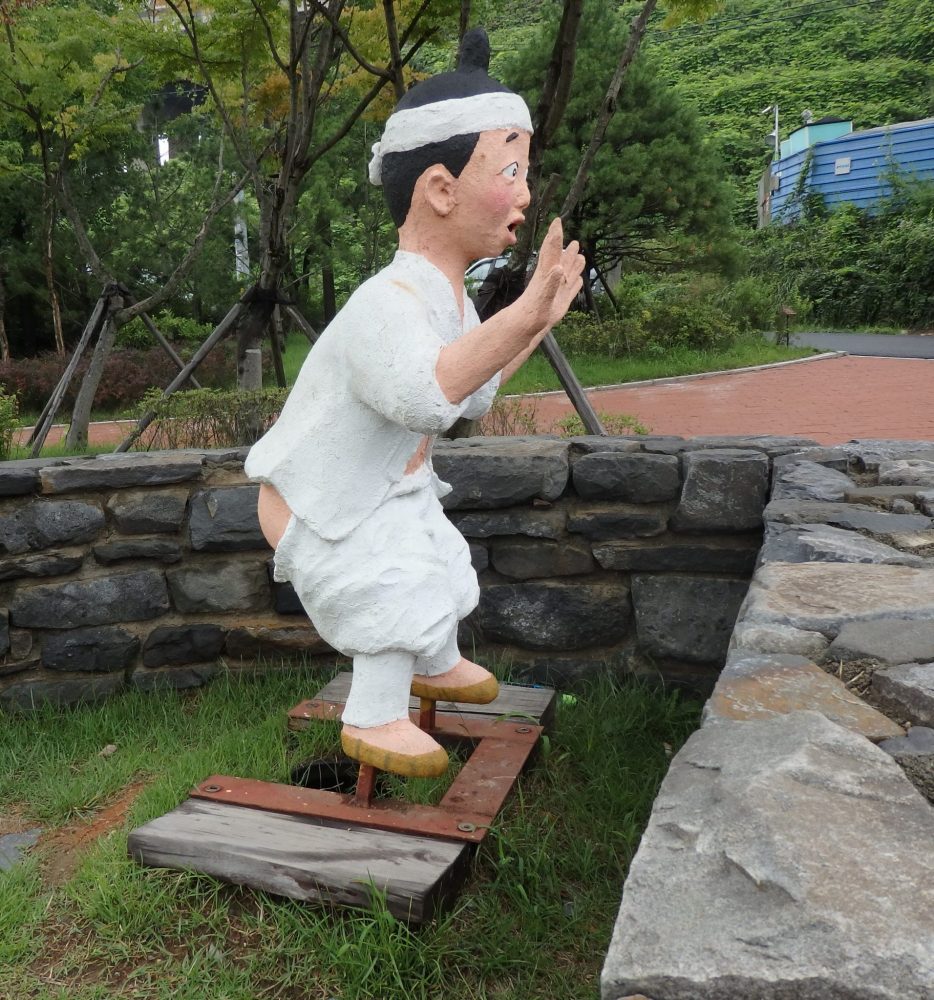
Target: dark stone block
x=97, y=650
x=830, y=458
x=220, y=586
x=702, y=555
x=4, y=631
x=852, y=516
x=723, y=491
x=501, y=472
x=17, y=481
x=28, y=695
x=169, y=645
x=20, y=643
x=173, y=678
x=103, y=601
x=807, y=480
x=587, y=444
x=138, y=513
x=117, y=472
x=479, y=556
x=822, y=543
x=273, y=639
x=554, y=615
x=49, y=522
x=686, y=617
x=159, y=549
x=285, y=601
x=889, y=640
x=534, y=523
x=39, y=565
x=618, y=521
x=524, y=559
x=225, y=520
x=633, y=478
x=563, y=672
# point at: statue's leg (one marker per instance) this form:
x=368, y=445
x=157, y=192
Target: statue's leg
x=377, y=729
x=448, y=676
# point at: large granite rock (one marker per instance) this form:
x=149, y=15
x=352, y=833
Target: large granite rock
x=587, y=444
x=821, y=597
x=888, y=640
x=823, y=543
x=723, y=491
x=787, y=859
x=117, y=471
x=748, y=637
x=44, y=523
x=763, y=686
x=807, y=480
x=631, y=478
x=225, y=520
x=144, y=511
x=161, y=550
x=500, y=472
x=553, y=614
x=686, y=617
x=906, y=690
x=104, y=600
x=221, y=585
x=98, y=650
x=253, y=639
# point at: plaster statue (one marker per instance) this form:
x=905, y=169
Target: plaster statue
x=349, y=500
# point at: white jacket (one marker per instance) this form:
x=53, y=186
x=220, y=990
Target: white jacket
x=364, y=398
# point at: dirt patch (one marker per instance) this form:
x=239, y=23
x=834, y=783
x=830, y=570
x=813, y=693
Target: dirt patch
x=63, y=848
x=14, y=818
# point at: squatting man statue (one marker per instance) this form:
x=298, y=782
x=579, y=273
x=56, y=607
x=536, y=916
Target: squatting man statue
x=348, y=498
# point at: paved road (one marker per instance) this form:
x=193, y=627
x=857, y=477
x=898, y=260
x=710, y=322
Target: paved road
x=873, y=345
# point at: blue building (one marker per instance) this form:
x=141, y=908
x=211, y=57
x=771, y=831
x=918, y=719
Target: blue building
x=843, y=166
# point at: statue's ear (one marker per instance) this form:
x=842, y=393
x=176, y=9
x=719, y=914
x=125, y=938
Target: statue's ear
x=440, y=189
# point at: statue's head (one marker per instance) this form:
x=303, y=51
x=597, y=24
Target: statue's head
x=439, y=126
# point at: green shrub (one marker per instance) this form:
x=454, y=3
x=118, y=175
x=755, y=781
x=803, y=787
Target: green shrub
x=210, y=418
x=9, y=421
x=690, y=322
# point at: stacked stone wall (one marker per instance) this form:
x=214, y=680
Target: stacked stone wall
x=595, y=553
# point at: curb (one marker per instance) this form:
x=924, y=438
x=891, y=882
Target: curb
x=672, y=379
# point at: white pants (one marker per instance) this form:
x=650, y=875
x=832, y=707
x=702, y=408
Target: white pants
x=390, y=595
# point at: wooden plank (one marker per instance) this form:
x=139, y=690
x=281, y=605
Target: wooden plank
x=536, y=703
x=303, y=859
x=491, y=773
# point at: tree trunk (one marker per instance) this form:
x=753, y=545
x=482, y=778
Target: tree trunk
x=4, y=340
x=77, y=437
x=328, y=291
x=47, y=264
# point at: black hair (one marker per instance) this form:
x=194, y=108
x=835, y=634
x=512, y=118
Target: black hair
x=400, y=171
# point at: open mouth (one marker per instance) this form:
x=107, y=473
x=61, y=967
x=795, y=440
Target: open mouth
x=513, y=226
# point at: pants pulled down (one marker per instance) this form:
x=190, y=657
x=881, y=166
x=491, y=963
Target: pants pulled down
x=390, y=595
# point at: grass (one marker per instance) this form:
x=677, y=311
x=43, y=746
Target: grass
x=533, y=921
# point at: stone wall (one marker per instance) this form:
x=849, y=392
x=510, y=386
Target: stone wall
x=790, y=852
x=151, y=570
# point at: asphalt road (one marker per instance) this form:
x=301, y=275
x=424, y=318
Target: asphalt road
x=872, y=345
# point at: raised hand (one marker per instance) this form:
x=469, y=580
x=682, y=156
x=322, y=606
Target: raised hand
x=557, y=278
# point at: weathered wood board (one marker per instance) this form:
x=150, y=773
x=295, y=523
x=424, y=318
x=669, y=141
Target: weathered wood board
x=300, y=858
x=536, y=703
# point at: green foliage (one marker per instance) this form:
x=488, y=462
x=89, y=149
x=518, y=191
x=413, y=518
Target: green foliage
x=867, y=62
x=9, y=421
x=852, y=268
x=210, y=418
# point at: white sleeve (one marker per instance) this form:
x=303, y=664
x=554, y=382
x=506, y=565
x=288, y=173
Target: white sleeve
x=476, y=404
x=391, y=353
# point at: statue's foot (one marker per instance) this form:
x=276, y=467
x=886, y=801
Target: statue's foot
x=399, y=747
x=465, y=681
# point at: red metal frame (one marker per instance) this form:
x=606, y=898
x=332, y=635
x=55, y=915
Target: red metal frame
x=503, y=747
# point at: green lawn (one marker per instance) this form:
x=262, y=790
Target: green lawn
x=533, y=921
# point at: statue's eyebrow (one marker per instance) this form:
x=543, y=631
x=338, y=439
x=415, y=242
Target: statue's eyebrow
x=511, y=136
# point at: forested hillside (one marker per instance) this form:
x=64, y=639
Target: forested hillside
x=869, y=61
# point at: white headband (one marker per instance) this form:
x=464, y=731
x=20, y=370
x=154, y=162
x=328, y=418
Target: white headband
x=415, y=127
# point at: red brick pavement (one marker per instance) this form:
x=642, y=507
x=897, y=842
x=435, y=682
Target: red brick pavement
x=829, y=399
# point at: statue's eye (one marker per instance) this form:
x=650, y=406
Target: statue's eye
x=512, y=171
